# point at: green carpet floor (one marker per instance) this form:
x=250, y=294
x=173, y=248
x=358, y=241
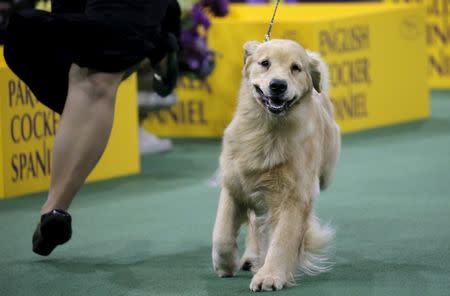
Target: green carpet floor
x=150, y=234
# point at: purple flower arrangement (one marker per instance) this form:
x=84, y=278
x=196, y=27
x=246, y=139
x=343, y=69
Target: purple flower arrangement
x=196, y=58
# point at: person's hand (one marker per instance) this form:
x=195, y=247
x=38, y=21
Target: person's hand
x=165, y=74
x=166, y=69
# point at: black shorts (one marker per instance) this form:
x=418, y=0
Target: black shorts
x=103, y=35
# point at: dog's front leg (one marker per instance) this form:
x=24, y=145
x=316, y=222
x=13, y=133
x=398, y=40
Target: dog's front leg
x=282, y=256
x=229, y=218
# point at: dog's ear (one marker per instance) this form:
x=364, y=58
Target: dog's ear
x=249, y=48
x=315, y=70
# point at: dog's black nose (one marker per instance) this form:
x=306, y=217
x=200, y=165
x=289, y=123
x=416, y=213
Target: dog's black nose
x=277, y=86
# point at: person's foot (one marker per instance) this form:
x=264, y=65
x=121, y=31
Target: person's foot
x=149, y=144
x=55, y=228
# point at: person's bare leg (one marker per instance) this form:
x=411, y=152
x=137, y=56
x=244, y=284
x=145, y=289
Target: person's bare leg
x=84, y=131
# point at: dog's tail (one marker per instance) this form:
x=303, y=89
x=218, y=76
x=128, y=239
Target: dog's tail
x=323, y=69
x=315, y=248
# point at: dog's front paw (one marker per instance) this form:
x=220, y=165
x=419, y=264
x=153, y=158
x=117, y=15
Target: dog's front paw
x=267, y=281
x=225, y=260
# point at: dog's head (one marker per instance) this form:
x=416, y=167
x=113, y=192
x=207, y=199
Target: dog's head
x=280, y=73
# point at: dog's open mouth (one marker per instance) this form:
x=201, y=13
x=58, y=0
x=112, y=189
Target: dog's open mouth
x=275, y=105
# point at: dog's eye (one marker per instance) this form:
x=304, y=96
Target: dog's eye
x=296, y=68
x=265, y=63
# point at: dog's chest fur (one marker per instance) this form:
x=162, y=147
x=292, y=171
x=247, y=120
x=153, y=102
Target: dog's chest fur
x=263, y=163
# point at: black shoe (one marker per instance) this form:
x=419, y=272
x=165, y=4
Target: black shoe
x=54, y=229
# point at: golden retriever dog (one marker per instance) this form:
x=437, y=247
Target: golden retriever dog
x=278, y=153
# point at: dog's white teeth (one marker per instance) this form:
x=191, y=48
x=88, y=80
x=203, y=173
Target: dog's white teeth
x=277, y=105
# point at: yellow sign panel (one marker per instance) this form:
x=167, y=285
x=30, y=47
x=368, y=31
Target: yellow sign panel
x=27, y=130
x=2, y=167
x=438, y=40
x=376, y=54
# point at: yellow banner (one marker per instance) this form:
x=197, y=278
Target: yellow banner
x=438, y=40
x=27, y=130
x=376, y=54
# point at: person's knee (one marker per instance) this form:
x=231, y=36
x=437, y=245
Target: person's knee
x=98, y=85
x=102, y=86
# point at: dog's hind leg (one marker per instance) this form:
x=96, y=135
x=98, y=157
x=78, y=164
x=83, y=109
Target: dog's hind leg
x=226, y=228
x=255, y=245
